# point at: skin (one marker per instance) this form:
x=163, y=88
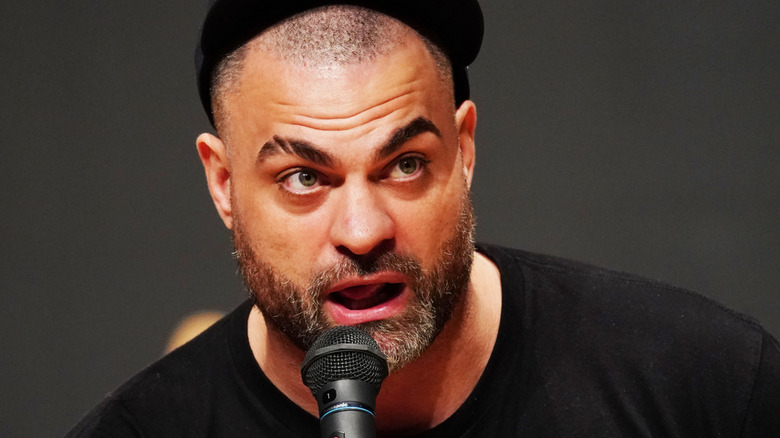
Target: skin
x=365, y=204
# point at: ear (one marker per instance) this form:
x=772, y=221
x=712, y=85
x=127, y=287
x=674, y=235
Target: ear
x=213, y=155
x=466, y=124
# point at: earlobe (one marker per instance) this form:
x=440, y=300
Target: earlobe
x=213, y=155
x=466, y=123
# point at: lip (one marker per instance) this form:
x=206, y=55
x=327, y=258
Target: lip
x=342, y=315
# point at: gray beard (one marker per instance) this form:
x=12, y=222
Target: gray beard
x=298, y=313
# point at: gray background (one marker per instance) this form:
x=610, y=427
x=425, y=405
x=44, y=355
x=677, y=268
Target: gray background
x=635, y=135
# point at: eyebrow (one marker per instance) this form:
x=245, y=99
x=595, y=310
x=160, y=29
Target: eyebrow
x=301, y=148
x=309, y=152
x=402, y=135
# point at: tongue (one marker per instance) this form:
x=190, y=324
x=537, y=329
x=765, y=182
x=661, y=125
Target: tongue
x=364, y=297
x=359, y=292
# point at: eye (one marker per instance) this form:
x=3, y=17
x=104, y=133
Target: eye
x=301, y=181
x=406, y=167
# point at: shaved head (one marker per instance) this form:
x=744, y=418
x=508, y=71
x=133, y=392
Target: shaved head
x=328, y=37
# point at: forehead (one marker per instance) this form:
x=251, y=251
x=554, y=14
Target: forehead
x=336, y=96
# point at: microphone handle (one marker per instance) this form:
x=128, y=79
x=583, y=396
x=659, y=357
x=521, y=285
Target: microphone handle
x=347, y=409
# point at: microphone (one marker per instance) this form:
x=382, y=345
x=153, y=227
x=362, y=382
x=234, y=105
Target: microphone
x=344, y=370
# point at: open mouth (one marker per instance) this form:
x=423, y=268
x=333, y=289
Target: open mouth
x=366, y=296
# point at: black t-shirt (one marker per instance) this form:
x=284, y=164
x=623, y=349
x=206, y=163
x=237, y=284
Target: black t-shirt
x=581, y=352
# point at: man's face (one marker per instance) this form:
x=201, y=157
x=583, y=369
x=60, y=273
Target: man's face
x=348, y=196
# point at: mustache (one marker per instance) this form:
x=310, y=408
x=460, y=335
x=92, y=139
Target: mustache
x=350, y=267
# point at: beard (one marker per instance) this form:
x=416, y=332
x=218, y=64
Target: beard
x=297, y=312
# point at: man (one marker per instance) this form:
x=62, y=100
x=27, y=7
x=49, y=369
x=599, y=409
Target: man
x=342, y=165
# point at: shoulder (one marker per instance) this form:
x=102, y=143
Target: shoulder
x=109, y=418
x=176, y=386
x=175, y=374
x=595, y=333
x=586, y=291
x=577, y=312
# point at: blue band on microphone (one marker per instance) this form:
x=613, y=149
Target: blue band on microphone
x=348, y=406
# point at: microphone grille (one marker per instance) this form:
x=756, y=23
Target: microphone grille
x=343, y=353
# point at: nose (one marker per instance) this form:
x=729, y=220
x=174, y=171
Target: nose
x=362, y=222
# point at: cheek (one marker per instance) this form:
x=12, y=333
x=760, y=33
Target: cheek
x=424, y=225
x=288, y=243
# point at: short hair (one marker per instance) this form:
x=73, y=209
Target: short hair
x=329, y=35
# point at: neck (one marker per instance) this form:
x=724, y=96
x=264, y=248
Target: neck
x=438, y=382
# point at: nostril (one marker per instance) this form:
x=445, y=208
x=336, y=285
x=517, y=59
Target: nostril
x=366, y=260
x=363, y=238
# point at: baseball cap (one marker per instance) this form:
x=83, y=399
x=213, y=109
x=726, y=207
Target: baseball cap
x=455, y=26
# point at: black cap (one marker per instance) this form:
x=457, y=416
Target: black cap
x=455, y=26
